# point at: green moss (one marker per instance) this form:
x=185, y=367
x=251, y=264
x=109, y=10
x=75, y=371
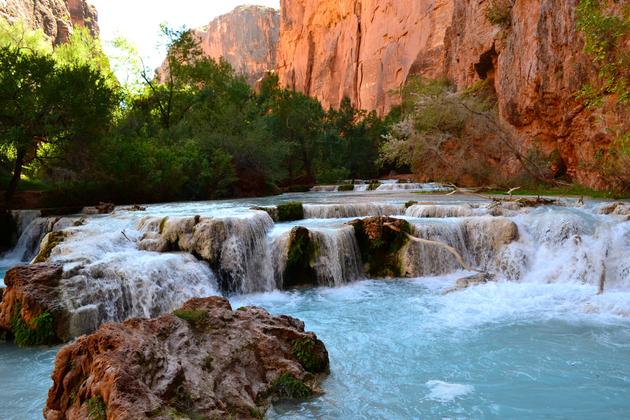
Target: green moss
x=43, y=334
x=194, y=316
x=410, y=203
x=207, y=363
x=97, y=409
x=373, y=186
x=255, y=413
x=163, y=224
x=381, y=255
x=289, y=387
x=346, y=187
x=303, y=349
x=290, y=211
x=51, y=241
x=300, y=267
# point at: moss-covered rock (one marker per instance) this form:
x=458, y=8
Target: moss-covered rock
x=290, y=211
x=300, y=267
x=381, y=246
x=271, y=211
x=41, y=332
x=30, y=310
x=49, y=243
x=373, y=186
x=288, y=386
x=346, y=187
x=311, y=354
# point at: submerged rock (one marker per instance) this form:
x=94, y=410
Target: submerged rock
x=380, y=245
x=474, y=280
x=29, y=309
x=203, y=361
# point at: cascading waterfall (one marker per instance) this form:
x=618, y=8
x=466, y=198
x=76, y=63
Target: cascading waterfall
x=123, y=265
x=347, y=210
x=337, y=261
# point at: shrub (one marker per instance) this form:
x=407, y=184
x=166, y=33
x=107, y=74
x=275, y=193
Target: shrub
x=499, y=12
x=288, y=386
x=97, y=409
x=606, y=33
x=346, y=187
x=193, y=316
x=290, y=211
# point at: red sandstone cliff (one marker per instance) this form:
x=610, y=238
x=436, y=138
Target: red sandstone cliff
x=246, y=37
x=55, y=17
x=366, y=50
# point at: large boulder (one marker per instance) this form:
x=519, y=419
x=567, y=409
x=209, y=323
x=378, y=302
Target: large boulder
x=29, y=309
x=381, y=241
x=203, y=361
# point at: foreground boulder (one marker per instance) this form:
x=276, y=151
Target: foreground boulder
x=29, y=310
x=203, y=361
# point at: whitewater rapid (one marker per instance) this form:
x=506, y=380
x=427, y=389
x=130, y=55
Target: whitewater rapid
x=542, y=326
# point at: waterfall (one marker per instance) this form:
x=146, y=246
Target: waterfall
x=142, y=264
x=235, y=247
x=423, y=210
x=347, y=210
x=477, y=239
x=337, y=261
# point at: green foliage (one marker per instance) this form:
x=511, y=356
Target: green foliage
x=303, y=349
x=43, y=333
x=381, y=254
x=193, y=316
x=256, y=413
x=346, y=187
x=299, y=269
x=606, y=34
x=290, y=211
x=288, y=386
x=96, y=408
x=499, y=12
x=48, y=107
x=195, y=130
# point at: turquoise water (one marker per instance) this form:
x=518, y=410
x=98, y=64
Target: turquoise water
x=402, y=350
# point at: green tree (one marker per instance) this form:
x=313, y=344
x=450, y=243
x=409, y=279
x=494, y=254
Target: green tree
x=44, y=105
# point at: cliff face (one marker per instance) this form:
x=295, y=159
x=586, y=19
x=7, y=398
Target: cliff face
x=366, y=50
x=360, y=49
x=247, y=38
x=55, y=17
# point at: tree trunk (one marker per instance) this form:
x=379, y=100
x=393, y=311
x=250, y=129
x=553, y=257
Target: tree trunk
x=17, y=174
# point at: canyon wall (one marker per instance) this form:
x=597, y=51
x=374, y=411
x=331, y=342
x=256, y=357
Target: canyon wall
x=247, y=38
x=367, y=49
x=55, y=17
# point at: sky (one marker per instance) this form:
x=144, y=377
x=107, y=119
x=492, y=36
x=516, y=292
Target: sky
x=139, y=20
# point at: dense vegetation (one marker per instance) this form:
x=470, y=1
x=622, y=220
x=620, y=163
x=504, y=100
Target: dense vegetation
x=195, y=130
